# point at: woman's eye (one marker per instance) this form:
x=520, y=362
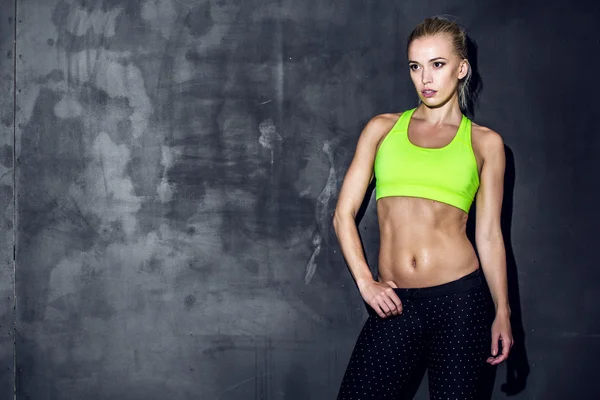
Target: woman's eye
x=413, y=67
x=438, y=64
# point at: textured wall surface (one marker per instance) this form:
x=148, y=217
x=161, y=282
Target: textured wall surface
x=7, y=26
x=179, y=161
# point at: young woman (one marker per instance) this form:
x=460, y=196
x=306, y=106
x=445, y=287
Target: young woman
x=429, y=308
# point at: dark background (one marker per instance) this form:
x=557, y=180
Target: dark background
x=175, y=165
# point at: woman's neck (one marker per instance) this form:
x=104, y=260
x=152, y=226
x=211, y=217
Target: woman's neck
x=447, y=113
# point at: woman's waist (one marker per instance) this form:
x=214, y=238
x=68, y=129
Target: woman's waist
x=424, y=244
x=426, y=264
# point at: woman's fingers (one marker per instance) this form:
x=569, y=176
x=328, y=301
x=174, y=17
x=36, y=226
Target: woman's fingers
x=507, y=343
x=390, y=305
x=384, y=306
x=392, y=284
x=382, y=298
x=380, y=309
x=389, y=302
x=395, y=299
x=495, y=338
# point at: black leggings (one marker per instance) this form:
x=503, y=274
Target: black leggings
x=445, y=329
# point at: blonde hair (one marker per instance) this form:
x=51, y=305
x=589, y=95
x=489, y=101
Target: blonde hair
x=443, y=26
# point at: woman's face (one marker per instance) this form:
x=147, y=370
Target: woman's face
x=435, y=69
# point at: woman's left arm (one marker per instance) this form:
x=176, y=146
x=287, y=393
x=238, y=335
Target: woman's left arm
x=489, y=240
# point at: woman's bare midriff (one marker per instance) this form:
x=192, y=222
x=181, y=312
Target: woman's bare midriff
x=422, y=242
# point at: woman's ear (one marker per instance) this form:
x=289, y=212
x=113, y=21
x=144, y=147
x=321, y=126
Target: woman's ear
x=464, y=69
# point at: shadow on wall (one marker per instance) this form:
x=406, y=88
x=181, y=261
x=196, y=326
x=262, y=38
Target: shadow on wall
x=517, y=364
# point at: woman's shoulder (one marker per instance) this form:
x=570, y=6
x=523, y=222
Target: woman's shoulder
x=385, y=118
x=486, y=139
x=380, y=124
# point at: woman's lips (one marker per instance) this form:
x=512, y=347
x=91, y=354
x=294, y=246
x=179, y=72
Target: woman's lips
x=428, y=93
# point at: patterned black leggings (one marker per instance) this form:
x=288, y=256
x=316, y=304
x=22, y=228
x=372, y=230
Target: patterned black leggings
x=445, y=329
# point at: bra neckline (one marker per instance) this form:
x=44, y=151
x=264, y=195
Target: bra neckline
x=461, y=126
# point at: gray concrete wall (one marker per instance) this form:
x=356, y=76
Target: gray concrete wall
x=7, y=267
x=179, y=161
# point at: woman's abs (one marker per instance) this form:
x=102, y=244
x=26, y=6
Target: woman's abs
x=423, y=244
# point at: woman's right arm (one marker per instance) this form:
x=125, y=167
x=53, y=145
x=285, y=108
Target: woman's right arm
x=379, y=295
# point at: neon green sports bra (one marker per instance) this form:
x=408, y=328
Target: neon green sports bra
x=447, y=174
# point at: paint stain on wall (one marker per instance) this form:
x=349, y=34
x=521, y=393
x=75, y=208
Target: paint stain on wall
x=80, y=21
x=323, y=213
x=68, y=107
x=268, y=136
x=160, y=14
x=165, y=189
x=105, y=190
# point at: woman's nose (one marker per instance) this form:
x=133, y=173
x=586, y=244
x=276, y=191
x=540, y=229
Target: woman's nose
x=426, y=76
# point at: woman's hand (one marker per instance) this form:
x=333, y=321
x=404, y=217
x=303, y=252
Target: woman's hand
x=381, y=297
x=501, y=331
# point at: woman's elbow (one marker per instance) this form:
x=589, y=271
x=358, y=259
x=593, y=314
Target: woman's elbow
x=339, y=216
x=489, y=239
x=336, y=219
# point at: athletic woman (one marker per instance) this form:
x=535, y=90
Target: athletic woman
x=429, y=308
